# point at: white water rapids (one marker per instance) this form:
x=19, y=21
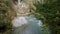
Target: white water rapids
x=27, y=25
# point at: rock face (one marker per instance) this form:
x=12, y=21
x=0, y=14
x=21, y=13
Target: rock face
x=23, y=8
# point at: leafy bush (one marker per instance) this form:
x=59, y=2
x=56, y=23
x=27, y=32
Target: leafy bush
x=6, y=13
x=49, y=13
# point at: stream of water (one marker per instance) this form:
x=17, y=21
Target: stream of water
x=26, y=24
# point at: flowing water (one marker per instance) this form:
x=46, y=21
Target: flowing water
x=23, y=24
x=27, y=25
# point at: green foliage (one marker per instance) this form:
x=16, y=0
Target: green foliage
x=5, y=15
x=49, y=13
